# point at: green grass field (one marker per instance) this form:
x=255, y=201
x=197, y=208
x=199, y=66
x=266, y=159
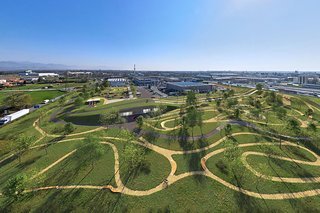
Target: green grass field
x=209, y=172
x=50, y=86
x=36, y=96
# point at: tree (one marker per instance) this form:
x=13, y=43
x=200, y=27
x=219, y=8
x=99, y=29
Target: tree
x=258, y=104
x=69, y=128
x=85, y=95
x=232, y=102
x=227, y=130
x=259, y=88
x=279, y=100
x=106, y=84
x=62, y=100
x=312, y=127
x=232, y=154
x=23, y=144
x=218, y=102
x=18, y=100
x=255, y=112
x=293, y=125
x=93, y=149
x=251, y=101
x=111, y=118
x=200, y=121
x=79, y=101
x=84, y=88
x=134, y=155
x=97, y=90
x=280, y=112
x=230, y=93
x=225, y=95
x=191, y=98
x=236, y=113
x=273, y=99
x=140, y=121
x=208, y=96
x=309, y=112
x=232, y=150
x=15, y=187
x=133, y=89
x=192, y=117
x=162, y=109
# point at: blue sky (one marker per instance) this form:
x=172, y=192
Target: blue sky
x=163, y=34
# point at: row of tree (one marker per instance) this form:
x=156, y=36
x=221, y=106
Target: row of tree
x=18, y=100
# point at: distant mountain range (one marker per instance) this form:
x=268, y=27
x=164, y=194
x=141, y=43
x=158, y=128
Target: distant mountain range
x=25, y=65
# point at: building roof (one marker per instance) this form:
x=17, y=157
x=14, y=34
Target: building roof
x=187, y=84
x=48, y=74
x=117, y=79
x=93, y=100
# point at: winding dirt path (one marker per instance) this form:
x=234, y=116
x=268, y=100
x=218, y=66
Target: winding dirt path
x=172, y=178
x=53, y=164
x=281, y=179
x=44, y=133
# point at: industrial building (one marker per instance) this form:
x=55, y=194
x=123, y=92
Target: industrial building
x=142, y=81
x=79, y=74
x=29, y=75
x=117, y=82
x=303, y=80
x=189, y=86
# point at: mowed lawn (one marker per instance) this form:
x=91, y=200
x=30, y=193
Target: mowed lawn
x=51, y=86
x=37, y=96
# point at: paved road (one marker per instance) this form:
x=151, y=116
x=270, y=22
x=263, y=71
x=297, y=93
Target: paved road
x=144, y=92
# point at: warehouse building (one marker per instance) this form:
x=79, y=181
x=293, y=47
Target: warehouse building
x=189, y=86
x=141, y=81
x=117, y=82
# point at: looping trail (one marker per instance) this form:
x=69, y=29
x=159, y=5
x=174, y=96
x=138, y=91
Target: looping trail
x=45, y=134
x=172, y=178
x=120, y=187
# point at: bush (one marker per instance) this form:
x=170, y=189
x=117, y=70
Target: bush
x=79, y=101
x=69, y=128
x=57, y=129
x=112, y=118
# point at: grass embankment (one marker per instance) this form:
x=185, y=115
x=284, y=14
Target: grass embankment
x=90, y=116
x=36, y=96
x=42, y=86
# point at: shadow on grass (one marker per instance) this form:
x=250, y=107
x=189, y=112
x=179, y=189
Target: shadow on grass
x=27, y=163
x=246, y=203
x=8, y=160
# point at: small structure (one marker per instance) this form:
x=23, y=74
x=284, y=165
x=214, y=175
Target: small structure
x=93, y=101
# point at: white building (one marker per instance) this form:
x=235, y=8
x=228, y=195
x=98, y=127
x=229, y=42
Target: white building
x=34, y=76
x=79, y=74
x=50, y=74
x=117, y=82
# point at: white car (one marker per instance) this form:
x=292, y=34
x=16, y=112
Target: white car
x=45, y=101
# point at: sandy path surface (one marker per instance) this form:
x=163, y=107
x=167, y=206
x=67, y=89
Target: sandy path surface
x=172, y=178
